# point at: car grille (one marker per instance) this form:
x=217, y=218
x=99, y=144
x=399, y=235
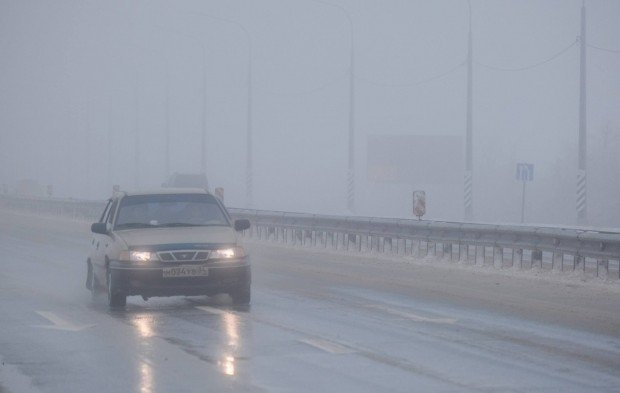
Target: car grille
x=184, y=256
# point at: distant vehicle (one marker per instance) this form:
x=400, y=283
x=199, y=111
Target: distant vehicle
x=183, y=180
x=29, y=187
x=166, y=243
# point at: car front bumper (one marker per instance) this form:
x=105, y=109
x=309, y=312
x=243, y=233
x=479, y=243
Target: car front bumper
x=149, y=281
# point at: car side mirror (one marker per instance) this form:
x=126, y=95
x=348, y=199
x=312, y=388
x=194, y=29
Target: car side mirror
x=100, y=228
x=242, y=225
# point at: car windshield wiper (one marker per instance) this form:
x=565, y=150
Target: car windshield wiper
x=129, y=225
x=180, y=224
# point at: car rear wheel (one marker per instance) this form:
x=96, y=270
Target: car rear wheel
x=116, y=299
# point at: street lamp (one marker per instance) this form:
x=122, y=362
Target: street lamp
x=249, y=147
x=351, y=135
x=203, y=138
x=468, y=190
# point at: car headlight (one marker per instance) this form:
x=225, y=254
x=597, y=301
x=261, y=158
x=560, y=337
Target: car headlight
x=227, y=253
x=138, y=256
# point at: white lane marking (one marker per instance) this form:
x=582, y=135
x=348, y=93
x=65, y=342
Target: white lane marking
x=320, y=343
x=213, y=310
x=59, y=323
x=327, y=346
x=412, y=316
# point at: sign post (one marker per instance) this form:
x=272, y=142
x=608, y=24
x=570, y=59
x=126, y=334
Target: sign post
x=419, y=204
x=525, y=173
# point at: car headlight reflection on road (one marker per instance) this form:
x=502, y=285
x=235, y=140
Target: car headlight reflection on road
x=227, y=253
x=138, y=256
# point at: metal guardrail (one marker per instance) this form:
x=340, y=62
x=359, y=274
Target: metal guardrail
x=595, y=253
x=591, y=252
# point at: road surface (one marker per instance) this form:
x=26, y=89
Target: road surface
x=319, y=322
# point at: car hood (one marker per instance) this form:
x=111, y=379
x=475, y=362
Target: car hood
x=178, y=235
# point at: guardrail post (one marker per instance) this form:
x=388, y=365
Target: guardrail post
x=578, y=261
x=556, y=258
x=498, y=257
x=518, y=253
x=605, y=264
x=537, y=257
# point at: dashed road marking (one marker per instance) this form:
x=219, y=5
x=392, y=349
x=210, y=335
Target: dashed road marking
x=412, y=316
x=327, y=346
x=59, y=323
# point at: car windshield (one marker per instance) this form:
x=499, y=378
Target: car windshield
x=143, y=211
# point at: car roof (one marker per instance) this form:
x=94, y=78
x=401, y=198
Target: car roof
x=160, y=191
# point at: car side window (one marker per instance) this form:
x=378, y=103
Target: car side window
x=105, y=211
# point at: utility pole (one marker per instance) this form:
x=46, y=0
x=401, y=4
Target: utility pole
x=351, y=167
x=468, y=190
x=582, y=212
x=167, y=122
x=203, y=139
x=110, y=125
x=249, y=159
x=136, y=153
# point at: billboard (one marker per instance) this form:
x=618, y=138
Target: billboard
x=415, y=159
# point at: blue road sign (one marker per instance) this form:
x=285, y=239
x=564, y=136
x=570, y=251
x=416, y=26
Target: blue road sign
x=525, y=171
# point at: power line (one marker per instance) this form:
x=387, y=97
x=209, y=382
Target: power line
x=538, y=64
x=603, y=49
x=339, y=77
x=328, y=83
x=416, y=83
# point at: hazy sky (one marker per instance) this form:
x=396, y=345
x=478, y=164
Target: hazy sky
x=79, y=77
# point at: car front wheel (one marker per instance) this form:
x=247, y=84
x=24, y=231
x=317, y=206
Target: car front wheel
x=116, y=299
x=241, y=295
x=94, y=283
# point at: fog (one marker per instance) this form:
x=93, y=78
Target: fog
x=89, y=89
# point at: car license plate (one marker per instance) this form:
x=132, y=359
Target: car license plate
x=186, y=271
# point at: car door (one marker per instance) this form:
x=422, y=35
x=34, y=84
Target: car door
x=101, y=241
x=94, y=247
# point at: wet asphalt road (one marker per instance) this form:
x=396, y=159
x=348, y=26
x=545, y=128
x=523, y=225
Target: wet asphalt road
x=318, y=322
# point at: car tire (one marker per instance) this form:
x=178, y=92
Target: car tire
x=94, y=284
x=116, y=299
x=89, y=276
x=241, y=296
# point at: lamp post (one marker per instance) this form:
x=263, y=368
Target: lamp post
x=249, y=145
x=351, y=115
x=203, y=137
x=582, y=207
x=469, y=180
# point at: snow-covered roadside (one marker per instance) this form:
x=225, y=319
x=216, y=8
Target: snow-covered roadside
x=570, y=278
